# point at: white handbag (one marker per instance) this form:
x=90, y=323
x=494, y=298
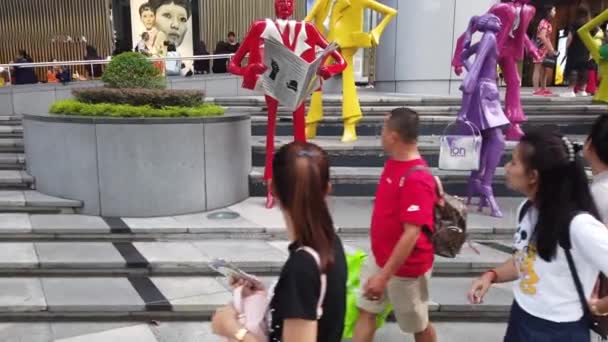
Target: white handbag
x=460, y=152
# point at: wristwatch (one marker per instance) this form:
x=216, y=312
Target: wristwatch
x=240, y=335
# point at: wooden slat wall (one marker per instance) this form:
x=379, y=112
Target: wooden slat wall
x=31, y=25
x=218, y=17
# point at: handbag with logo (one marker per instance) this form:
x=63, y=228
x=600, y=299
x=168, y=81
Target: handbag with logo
x=460, y=152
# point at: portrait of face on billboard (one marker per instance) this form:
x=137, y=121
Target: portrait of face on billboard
x=157, y=22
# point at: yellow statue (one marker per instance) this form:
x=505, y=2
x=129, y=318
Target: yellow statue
x=342, y=22
x=597, y=53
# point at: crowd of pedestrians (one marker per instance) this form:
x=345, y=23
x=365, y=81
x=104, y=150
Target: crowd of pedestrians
x=561, y=242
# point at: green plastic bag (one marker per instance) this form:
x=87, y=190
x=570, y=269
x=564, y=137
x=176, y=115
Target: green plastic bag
x=354, y=263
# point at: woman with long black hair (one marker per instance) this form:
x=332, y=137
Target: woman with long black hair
x=596, y=153
x=559, y=218
x=300, y=182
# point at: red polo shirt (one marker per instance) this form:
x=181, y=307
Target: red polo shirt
x=400, y=201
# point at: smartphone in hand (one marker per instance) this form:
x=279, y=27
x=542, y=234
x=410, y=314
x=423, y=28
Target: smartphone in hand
x=234, y=273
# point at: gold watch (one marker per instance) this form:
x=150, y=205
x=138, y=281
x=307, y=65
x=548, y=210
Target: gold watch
x=240, y=335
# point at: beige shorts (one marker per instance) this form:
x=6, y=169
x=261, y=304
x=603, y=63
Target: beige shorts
x=408, y=296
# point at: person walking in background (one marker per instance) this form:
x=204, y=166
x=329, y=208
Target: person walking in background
x=546, y=51
x=173, y=67
x=95, y=69
x=596, y=153
x=577, y=56
x=222, y=48
x=201, y=66
x=399, y=269
x=592, y=70
x=233, y=44
x=301, y=185
x=24, y=75
x=558, y=219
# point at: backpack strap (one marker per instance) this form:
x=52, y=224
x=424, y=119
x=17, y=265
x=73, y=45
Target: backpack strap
x=317, y=258
x=524, y=210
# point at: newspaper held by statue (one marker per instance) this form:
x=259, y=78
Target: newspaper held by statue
x=290, y=79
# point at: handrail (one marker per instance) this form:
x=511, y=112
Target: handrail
x=106, y=61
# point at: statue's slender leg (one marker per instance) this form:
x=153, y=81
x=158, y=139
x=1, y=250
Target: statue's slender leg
x=513, y=108
x=351, y=109
x=315, y=114
x=273, y=106
x=298, y=124
x=494, y=141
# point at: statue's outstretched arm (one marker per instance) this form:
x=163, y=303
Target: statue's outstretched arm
x=585, y=34
x=388, y=12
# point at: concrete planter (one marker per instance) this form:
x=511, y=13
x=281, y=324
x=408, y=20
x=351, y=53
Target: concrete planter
x=140, y=167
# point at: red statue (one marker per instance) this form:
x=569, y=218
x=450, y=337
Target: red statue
x=300, y=37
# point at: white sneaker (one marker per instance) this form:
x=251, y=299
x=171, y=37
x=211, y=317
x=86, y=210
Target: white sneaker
x=568, y=94
x=582, y=94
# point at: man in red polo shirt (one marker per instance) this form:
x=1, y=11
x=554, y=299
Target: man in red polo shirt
x=399, y=269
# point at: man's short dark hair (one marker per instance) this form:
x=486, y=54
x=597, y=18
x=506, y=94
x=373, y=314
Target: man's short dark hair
x=231, y=34
x=404, y=122
x=145, y=7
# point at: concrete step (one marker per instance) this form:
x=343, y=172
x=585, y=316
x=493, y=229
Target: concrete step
x=363, y=181
x=163, y=297
x=11, y=145
x=10, y=131
x=429, y=125
x=376, y=99
x=198, y=331
x=246, y=220
x=14, y=179
x=12, y=161
x=441, y=110
x=182, y=258
x=367, y=151
x=30, y=201
x=10, y=120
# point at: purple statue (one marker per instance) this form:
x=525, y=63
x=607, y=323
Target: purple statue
x=481, y=106
x=512, y=39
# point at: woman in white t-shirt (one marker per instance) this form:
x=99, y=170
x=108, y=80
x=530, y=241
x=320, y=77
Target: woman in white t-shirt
x=596, y=153
x=546, y=168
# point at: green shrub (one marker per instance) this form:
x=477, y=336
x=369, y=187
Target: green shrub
x=132, y=70
x=140, y=97
x=77, y=108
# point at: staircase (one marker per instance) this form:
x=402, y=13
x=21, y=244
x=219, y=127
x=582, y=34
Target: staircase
x=67, y=277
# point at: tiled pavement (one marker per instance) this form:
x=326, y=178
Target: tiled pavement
x=201, y=332
x=184, y=297
x=351, y=217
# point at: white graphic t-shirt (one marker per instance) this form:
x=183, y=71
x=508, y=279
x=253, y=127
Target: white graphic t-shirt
x=546, y=289
x=599, y=188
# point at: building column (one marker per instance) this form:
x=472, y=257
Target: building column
x=415, y=52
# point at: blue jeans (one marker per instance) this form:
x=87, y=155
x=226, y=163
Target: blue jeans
x=524, y=327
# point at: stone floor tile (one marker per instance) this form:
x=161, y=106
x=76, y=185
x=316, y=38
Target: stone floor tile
x=68, y=223
x=139, y=333
x=15, y=223
x=171, y=254
x=37, y=199
x=253, y=210
x=26, y=332
x=192, y=293
x=184, y=332
x=449, y=331
x=155, y=225
x=89, y=255
x=244, y=252
x=91, y=295
x=18, y=255
x=351, y=212
x=62, y=330
x=201, y=223
x=21, y=295
x=487, y=257
x=451, y=294
x=12, y=198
